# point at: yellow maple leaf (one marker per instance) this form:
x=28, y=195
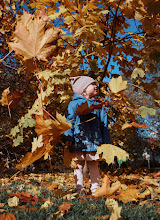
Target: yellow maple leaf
x=110, y=151
x=34, y=39
x=117, y=84
x=112, y=205
x=106, y=189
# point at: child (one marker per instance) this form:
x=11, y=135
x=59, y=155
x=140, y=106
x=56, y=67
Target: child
x=88, y=131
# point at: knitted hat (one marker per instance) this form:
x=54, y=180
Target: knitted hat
x=80, y=83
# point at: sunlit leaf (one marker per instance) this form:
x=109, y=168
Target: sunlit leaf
x=144, y=111
x=34, y=41
x=109, y=152
x=117, y=84
x=137, y=72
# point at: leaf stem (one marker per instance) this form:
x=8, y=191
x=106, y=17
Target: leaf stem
x=6, y=56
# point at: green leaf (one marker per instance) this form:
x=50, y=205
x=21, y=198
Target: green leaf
x=144, y=111
x=17, y=141
x=137, y=72
x=14, y=131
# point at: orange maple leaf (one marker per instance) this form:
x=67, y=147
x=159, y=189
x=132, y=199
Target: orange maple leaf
x=65, y=206
x=105, y=189
x=35, y=40
x=84, y=108
x=51, y=130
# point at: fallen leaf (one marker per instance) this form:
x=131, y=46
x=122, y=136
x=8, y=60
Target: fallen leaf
x=8, y=216
x=112, y=205
x=35, y=39
x=70, y=196
x=110, y=151
x=128, y=195
x=105, y=189
x=13, y=201
x=51, y=186
x=46, y=205
x=117, y=84
x=2, y=205
x=65, y=206
x=25, y=197
x=144, y=194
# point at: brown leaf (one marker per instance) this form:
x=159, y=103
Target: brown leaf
x=105, y=189
x=85, y=109
x=25, y=197
x=35, y=40
x=65, y=206
x=11, y=100
x=51, y=186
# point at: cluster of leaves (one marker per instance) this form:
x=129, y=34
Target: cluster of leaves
x=47, y=195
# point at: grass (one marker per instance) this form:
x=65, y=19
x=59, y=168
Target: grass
x=82, y=209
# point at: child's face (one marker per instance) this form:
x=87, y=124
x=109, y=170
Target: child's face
x=91, y=91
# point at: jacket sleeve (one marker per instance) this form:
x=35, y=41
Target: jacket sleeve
x=104, y=127
x=70, y=116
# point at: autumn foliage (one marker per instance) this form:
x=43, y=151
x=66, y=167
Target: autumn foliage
x=59, y=40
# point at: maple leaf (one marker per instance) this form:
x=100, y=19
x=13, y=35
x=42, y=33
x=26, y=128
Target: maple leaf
x=65, y=206
x=129, y=194
x=117, y=84
x=34, y=39
x=112, y=205
x=84, y=108
x=11, y=100
x=51, y=130
x=110, y=151
x=105, y=189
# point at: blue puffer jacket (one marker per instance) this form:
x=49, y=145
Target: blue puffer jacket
x=87, y=136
